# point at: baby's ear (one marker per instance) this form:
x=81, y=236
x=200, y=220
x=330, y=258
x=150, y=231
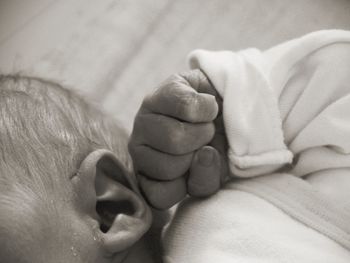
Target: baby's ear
x=106, y=191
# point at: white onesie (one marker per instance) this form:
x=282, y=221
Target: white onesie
x=287, y=119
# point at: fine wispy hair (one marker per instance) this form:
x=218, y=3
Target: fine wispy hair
x=45, y=132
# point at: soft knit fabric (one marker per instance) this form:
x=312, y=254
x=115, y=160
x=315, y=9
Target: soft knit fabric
x=287, y=109
x=272, y=99
x=237, y=226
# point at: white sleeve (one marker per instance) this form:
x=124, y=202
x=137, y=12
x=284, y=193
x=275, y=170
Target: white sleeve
x=275, y=107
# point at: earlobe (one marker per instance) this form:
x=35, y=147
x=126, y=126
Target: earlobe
x=122, y=213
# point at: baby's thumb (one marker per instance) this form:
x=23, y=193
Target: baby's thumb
x=205, y=172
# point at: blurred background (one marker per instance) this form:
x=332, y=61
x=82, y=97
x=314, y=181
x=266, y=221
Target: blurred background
x=116, y=51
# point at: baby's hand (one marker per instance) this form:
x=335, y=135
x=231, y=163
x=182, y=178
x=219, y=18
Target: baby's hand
x=170, y=141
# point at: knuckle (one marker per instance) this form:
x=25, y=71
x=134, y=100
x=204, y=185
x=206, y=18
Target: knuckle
x=192, y=78
x=177, y=136
x=174, y=79
x=178, y=132
x=206, y=132
x=187, y=105
x=149, y=101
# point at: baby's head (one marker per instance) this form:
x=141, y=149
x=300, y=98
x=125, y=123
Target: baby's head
x=67, y=191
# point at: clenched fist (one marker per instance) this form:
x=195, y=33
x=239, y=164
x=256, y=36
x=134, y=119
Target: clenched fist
x=178, y=143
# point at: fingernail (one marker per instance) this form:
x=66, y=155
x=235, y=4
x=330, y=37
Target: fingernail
x=206, y=157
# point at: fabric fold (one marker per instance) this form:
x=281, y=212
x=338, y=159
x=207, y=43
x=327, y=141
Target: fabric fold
x=281, y=103
x=251, y=114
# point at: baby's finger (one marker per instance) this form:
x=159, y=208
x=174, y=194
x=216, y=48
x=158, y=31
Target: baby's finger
x=176, y=98
x=158, y=165
x=200, y=82
x=163, y=194
x=220, y=143
x=205, y=172
x=171, y=135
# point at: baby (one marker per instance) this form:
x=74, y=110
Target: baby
x=68, y=192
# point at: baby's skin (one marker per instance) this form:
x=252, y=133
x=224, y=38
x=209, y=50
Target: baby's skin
x=178, y=143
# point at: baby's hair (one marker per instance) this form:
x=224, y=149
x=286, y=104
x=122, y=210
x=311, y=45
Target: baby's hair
x=45, y=132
